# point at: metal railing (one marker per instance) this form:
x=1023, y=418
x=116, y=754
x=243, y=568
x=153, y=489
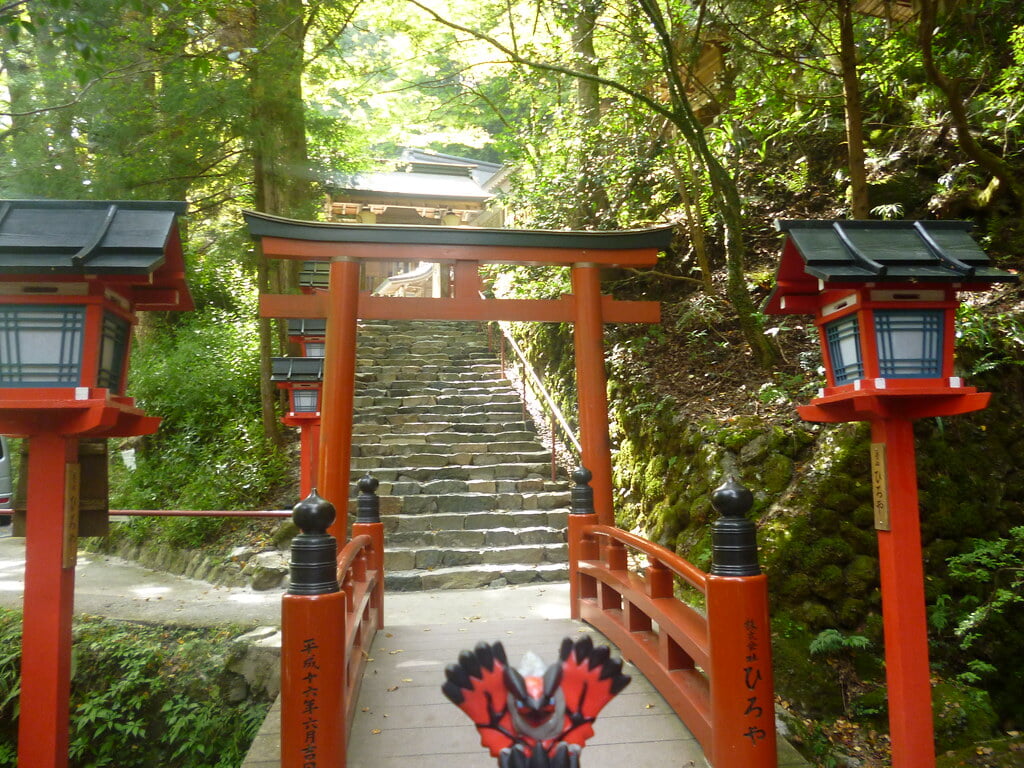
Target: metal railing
x=528, y=376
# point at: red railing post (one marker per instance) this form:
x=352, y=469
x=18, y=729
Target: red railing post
x=739, y=640
x=314, y=728
x=581, y=516
x=368, y=523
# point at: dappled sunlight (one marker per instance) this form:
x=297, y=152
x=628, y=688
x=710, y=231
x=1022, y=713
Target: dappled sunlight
x=11, y=586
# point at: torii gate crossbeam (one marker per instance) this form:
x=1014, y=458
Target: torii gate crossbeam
x=345, y=246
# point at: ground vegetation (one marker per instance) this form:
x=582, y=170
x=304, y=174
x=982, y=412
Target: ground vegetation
x=142, y=696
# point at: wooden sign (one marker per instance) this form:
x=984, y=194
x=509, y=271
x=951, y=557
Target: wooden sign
x=72, y=485
x=880, y=487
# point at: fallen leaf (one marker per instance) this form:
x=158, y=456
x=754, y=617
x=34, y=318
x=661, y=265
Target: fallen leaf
x=406, y=679
x=392, y=689
x=376, y=731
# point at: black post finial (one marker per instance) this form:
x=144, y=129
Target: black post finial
x=582, y=494
x=368, y=503
x=733, y=536
x=314, y=551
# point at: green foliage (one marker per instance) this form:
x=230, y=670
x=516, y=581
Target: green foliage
x=989, y=340
x=832, y=642
x=141, y=696
x=201, y=376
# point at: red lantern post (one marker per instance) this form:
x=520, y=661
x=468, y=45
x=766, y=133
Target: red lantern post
x=72, y=275
x=884, y=295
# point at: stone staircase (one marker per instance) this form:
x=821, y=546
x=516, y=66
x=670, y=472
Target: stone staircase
x=466, y=496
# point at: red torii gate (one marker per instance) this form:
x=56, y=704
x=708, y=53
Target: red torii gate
x=346, y=246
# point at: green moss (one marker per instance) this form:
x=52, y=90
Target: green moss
x=963, y=715
x=814, y=615
x=775, y=473
x=829, y=583
x=861, y=575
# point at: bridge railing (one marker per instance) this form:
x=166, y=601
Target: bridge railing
x=333, y=609
x=713, y=667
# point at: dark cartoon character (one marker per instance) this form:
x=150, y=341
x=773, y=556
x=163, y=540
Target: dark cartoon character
x=535, y=716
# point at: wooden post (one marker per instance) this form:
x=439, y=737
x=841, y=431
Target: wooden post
x=581, y=515
x=51, y=541
x=336, y=403
x=368, y=522
x=314, y=728
x=903, y=605
x=592, y=386
x=739, y=639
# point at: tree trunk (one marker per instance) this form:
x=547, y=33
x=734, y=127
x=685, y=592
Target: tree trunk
x=860, y=206
x=591, y=195
x=280, y=164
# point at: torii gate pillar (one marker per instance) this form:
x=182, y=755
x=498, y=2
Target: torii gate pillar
x=338, y=397
x=592, y=386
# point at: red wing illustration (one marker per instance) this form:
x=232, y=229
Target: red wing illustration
x=476, y=685
x=590, y=679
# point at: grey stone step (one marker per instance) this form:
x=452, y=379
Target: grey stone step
x=378, y=434
x=476, y=459
x=435, y=388
x=408, y=558
x=481, y=538
x=554, y=519
x=474, y=577
x=410, y=425
x=516, y=471
x=427, y=402
x=400, y=488
x=445, y=449
x=467, y=415
x=429, y=503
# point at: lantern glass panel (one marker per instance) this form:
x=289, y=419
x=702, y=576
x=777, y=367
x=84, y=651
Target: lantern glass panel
x=305, y=400
x=315, y=349
x=113, y=346
x=909, y=343
x=843, y=337
x=40, y=345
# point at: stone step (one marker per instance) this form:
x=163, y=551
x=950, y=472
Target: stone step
x=369, y=371
x=429, y=503
x=476, y=459
x=379, y=434
x=445, y=449
x=474, y=577
x=433, y=388
x=500, y=412
x=554, y=519
x=512, y=471
x=429, y=402
x=407, y=558
x=486, y=537
x=409, y=487
x=406, y=424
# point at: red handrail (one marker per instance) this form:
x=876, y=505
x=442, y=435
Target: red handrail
x=713, y=669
